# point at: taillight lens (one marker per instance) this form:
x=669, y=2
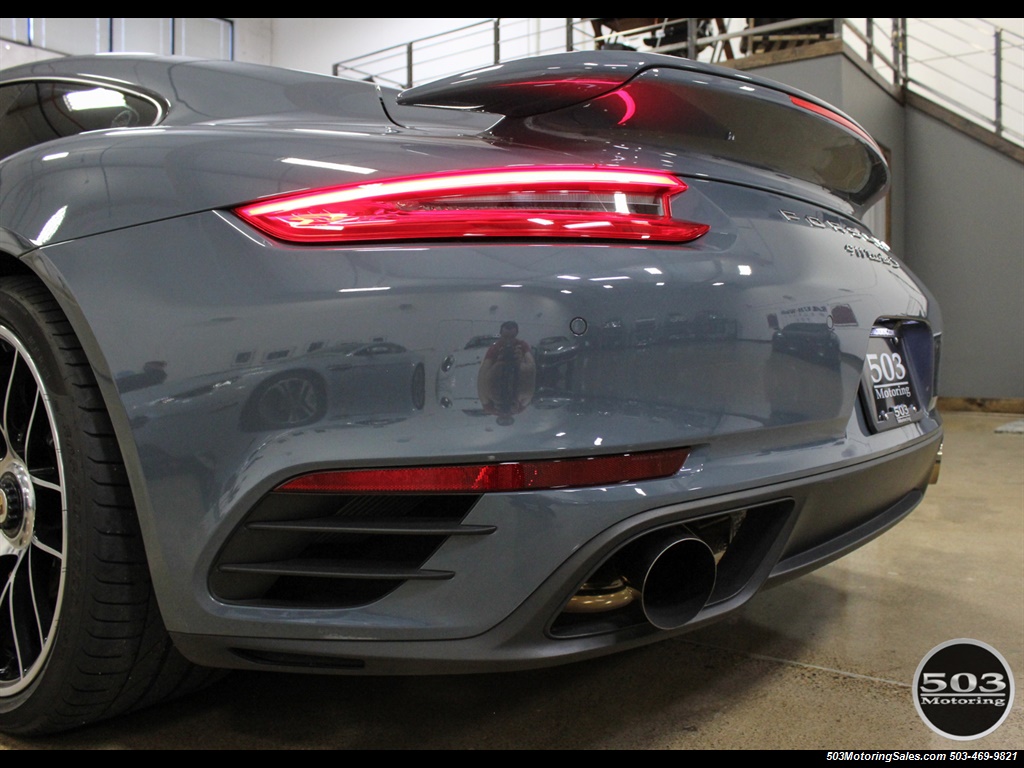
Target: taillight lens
x=507, y=476
x=545, y=202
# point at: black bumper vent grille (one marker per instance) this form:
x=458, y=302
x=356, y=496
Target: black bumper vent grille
x=317, y=550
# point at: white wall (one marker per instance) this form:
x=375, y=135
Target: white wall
x=254, y=40
x=315, y=44
x=13, y=54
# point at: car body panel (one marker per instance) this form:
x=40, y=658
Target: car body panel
x=782, y=414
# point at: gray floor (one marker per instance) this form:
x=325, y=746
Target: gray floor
x=825, y=662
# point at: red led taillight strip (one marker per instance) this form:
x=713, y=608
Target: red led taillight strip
x=533, y=201
x=836, y=118
x=483, y=478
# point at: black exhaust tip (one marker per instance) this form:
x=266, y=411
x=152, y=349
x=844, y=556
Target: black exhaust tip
x=675, y=574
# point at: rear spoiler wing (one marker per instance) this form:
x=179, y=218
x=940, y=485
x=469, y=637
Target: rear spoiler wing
x=673, y=103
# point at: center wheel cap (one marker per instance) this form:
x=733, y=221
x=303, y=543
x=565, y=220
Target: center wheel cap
x=17, y=505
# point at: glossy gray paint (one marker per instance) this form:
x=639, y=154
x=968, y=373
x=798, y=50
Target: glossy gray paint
x=198, y=290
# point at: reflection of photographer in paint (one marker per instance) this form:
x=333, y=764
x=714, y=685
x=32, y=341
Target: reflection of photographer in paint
x=507, y=376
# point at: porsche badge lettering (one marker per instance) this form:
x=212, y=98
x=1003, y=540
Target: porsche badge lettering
x=817, y=223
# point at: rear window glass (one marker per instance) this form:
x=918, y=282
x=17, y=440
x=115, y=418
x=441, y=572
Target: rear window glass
x=37, y=112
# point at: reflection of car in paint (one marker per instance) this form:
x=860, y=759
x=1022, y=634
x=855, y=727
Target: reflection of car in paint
x=353, y=382
x=557, y=361
x=457, y=375
x=809, y=341
x=374, y=378
x=553, y=350
x=346, y=380
x=151, y=530
x=804, y=372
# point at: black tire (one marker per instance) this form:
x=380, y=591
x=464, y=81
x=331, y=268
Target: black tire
x=86, y=641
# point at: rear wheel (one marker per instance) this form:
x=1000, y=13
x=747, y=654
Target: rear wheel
x=80, y=635
x=33, y=520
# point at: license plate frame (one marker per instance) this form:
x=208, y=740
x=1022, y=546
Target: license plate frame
x=889, y=390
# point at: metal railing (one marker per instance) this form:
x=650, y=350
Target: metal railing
x=472, y=46
x=970, y=66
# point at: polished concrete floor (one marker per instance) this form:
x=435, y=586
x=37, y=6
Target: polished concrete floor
x=825, y=662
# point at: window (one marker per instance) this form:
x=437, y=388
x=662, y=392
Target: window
x=31, y=113
x=204, y=38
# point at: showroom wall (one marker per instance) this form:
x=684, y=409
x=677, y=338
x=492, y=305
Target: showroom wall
x=965, y=229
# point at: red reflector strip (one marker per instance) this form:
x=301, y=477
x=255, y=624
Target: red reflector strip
x=836, y=118
x=534, y=201
x=483, y=478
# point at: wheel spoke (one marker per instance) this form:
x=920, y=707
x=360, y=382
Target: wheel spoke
x=17, y=650
x=30, y=617
x=20, y=403
x=47, y=484
x=28, y=429
x=7, y=395
x=9, y=593
x=35, y=602
x=47, y=549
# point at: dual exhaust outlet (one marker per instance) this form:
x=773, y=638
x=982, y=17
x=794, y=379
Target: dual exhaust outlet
x=670, y=573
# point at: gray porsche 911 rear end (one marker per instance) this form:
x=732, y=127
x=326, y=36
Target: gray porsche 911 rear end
x=442, y=391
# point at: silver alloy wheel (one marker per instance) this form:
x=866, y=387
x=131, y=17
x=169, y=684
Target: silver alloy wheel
x=33, y=519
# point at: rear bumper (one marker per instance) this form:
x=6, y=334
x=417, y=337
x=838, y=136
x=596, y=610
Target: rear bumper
x=794, y=527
